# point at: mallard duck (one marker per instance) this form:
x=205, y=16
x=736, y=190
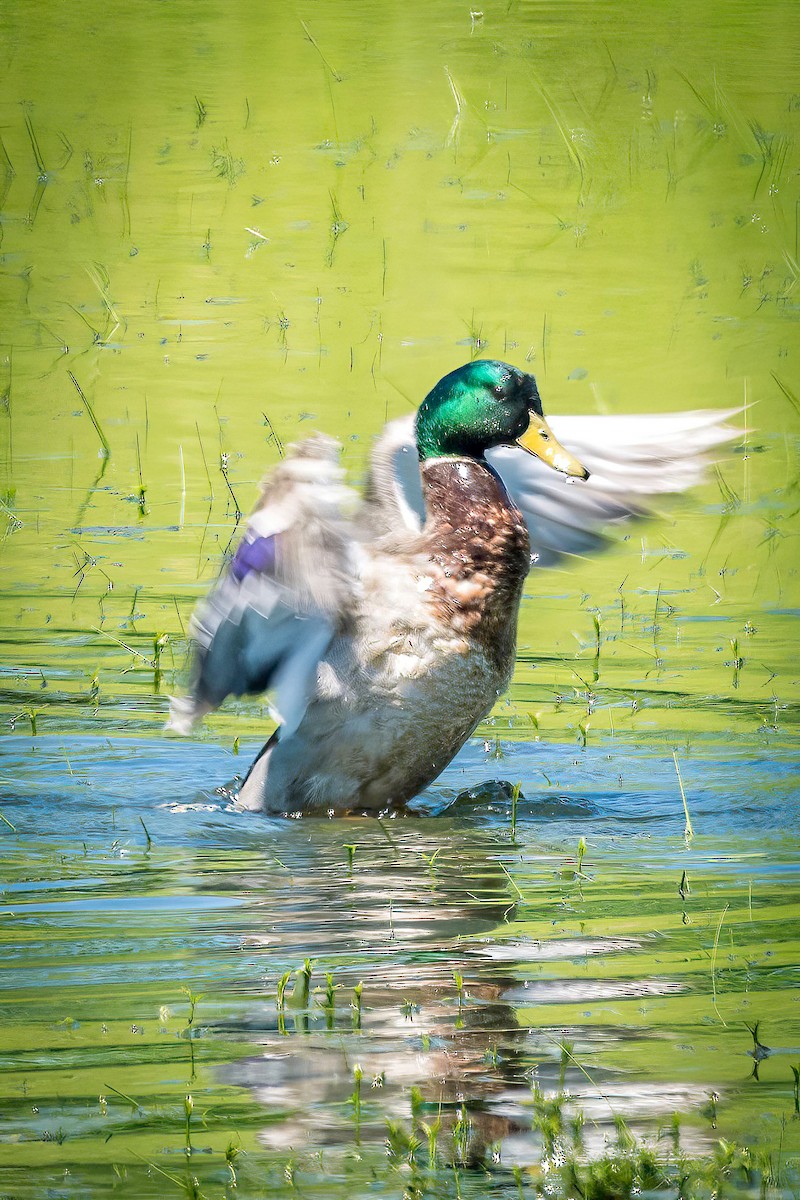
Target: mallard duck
x=384, y=628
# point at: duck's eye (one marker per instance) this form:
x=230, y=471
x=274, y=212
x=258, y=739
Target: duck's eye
x=499, y=390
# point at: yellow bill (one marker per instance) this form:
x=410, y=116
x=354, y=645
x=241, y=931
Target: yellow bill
x=538, y=439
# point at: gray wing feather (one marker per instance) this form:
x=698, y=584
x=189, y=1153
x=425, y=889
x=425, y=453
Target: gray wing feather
x=393, y=494
x=631, y=460
x=287, y=591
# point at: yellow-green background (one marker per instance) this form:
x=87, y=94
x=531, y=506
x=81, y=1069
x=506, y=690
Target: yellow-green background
x=313, y=213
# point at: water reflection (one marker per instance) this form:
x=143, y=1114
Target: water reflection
x=452, y=1018
x=498, y=972
x=429, y=1020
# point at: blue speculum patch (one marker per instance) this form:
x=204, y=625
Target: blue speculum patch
x=256, y=555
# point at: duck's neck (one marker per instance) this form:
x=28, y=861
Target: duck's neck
x=478, y=541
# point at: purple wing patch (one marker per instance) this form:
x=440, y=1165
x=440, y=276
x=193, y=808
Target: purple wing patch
x=258, y=555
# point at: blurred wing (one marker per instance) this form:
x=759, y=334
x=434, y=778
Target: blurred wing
x=287, y=590
x=393, y=494
x=632, y=459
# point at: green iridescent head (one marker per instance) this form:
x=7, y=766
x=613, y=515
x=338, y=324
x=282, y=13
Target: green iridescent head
x=484, y=404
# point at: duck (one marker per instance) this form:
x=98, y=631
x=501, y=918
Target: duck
x=383, y=624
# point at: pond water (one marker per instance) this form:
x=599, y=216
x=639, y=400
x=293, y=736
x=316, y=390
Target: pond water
x=224, y=227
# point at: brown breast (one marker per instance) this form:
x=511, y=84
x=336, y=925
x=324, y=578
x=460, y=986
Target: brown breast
x=479, y=545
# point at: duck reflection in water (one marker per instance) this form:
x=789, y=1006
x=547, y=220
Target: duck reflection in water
x=437, y=1038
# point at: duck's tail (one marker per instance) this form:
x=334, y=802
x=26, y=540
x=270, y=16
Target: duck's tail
x=251, y=793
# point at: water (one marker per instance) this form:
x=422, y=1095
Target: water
x=222, y=229
x=647, y=962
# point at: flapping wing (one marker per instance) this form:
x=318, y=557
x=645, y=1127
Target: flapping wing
x=288, y=589
x=393, y=494
x=631, y=460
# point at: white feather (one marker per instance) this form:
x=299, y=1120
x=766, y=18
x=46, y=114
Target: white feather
x=631, y=460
